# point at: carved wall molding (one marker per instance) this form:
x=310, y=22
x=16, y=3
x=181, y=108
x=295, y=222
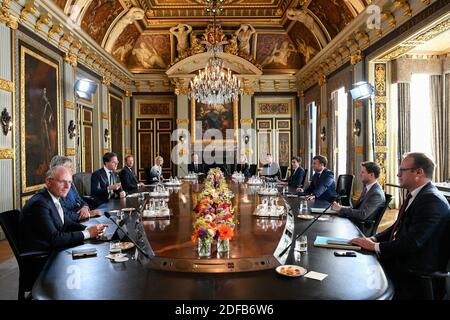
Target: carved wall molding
x=7, y=85
x=183, y=122
x=70, y=152
x=246, y=122
x=69, y=105
x=6, y=153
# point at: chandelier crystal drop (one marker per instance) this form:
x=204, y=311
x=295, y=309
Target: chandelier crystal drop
x=215, y=84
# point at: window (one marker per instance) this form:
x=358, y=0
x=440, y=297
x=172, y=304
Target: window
x=341, y=130
x=312, y=129
x=421, y=135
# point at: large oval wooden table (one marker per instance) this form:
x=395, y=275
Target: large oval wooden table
x=174, y=270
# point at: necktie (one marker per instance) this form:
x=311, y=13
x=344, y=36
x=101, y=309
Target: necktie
x=60, y=211
x=196, y=168
x=401, y=213
x=363, y=194
x=111, y=182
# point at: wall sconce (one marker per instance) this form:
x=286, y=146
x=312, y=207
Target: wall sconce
x=6, y=121
x=72, y=129
x=106, y=135
x=357, y=128
x=246, y=139
x=323, y=134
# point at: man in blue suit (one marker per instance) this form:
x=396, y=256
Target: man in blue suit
x=419, y=239
x=322, y=186
x=75, y=207
x=297, y=174
x=104, y=182
x=43, y=224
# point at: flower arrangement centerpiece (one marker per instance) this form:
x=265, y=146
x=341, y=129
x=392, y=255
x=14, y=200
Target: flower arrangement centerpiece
x=213, y=214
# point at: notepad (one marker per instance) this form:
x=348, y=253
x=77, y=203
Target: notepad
x=316, y=275
x=320, y=210
x=336, y=243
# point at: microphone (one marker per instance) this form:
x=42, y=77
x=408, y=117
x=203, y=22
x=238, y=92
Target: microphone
x=338, y=197
x=108, y=215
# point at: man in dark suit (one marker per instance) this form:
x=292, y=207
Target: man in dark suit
x=418, y=239
x=372, y=197
x=194, y=166
x=322, y=186
x=128, y=179
x=104, y=185
x=297, y=173
x=75, y=207
x=43, y=224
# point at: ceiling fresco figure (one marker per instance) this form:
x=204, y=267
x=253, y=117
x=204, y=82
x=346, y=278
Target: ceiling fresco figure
x=244, y=34
x=132, y=15
x=181, y=32
x=307, y=51
x=122, y=52
x=280, y=55
x=148, y=57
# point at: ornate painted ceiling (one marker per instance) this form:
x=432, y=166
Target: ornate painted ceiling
x=150, y=36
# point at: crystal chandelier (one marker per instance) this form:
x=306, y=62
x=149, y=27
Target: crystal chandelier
x=214, y=84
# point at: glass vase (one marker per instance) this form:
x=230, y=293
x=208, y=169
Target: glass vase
x=223, y=245
x=204, y=247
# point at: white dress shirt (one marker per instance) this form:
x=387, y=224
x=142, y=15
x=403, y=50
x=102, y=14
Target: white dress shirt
x=61, y=213
x=413, y=196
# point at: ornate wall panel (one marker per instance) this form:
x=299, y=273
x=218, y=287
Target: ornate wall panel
x=380, y=119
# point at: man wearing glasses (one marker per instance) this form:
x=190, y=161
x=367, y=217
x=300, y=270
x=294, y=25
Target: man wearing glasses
x=418, y=240
x=104, y=183
x=43, y=223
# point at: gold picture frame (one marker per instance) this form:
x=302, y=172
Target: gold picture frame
x=40, y=98
x=194, y=118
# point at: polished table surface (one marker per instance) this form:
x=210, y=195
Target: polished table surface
x=361, y=277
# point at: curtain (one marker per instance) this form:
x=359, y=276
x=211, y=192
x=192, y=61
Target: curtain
x=440, y=126
x=404, y=119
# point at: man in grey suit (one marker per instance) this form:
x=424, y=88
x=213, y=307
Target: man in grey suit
x=372, y=197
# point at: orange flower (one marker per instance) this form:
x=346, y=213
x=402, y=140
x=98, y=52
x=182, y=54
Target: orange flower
x=225, y=232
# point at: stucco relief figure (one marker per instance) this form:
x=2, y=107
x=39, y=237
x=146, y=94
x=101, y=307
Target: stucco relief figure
x=232, y=46
x=244, y=34
x=280, y=55
x=121, y=52
x=181, y=32
x=148, y=58
x=307, y=51
x=196, y=46
x=132, y=15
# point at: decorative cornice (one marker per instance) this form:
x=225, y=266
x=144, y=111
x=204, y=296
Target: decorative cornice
x=183, y=121
x=6, y=17
x=106, y=81
x=246, y=122
x=69, y=105
x=128, y=93
x=70, y=152
x=322, y=80
x=43, y=20
x=28, y=8
x=71, y=59
x=356, y=57
x=7, y=85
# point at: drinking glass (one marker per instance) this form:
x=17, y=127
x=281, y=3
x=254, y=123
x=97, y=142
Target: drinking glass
x=301, y=244
x=115, y=247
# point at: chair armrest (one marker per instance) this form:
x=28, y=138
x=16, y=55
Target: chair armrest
x=429, y=274
x=34, y=254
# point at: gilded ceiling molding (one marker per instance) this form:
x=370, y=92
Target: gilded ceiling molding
x=6, y=153
x=43, y=20
x=132, y=15
x=65, y=38
x=356, y=57
x=71, y=59
x=29, y=8
x=56, y=29
x=128, y=93
x=403, y=5
x=322, y=80
x=6, y=17
x=106, y=81
x=7, y=85
x=421, y=38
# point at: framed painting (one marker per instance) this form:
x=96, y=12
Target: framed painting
x=40, y=113
x=221, y=118
x=116, y=127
